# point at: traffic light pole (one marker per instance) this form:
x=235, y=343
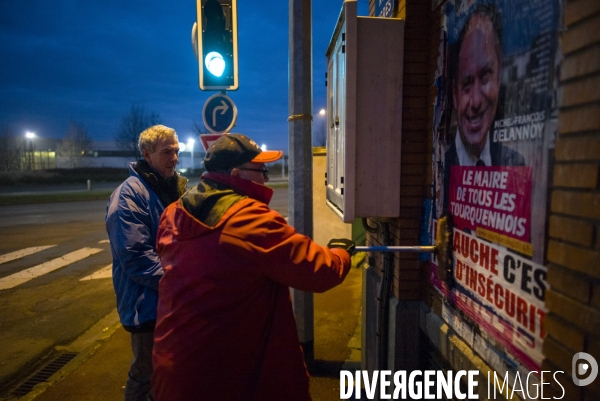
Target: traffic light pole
x=300, y=152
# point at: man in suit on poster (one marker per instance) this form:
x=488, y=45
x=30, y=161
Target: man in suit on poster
x=475, y=92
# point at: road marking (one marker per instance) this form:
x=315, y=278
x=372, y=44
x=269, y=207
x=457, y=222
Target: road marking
x=105, y=272
x=22, y=253
x=23, y=276
x=104, y=241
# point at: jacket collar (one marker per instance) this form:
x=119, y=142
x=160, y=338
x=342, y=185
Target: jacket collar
x=168, y=190
x=249, y=188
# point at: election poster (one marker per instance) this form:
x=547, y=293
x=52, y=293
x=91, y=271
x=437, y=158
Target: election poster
x=495, y=121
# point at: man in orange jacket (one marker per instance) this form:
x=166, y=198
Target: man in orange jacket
x=225, y=326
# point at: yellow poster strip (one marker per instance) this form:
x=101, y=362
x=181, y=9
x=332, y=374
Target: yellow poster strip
x=522, y=247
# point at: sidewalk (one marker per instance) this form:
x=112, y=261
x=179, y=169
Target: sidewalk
x=98, y=373
x=34, y=189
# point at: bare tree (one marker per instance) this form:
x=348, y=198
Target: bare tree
x=132, y=125
x=319, y=135
x=10, y=150
x=74, y=145
x=199, y=129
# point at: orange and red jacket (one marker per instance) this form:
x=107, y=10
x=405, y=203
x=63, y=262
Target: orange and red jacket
x=225, y=326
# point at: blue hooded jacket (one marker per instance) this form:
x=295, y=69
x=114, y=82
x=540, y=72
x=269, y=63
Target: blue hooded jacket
x=132, y=217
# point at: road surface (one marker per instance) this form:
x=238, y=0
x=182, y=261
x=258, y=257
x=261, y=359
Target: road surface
x=55, y=282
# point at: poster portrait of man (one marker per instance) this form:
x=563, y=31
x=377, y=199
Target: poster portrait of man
x=494, y=126
x=475, y=92
x=475, y=87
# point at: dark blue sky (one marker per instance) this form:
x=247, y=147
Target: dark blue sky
x=89, y=62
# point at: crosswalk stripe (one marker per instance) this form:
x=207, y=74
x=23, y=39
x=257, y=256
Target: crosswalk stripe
x=105, y=272
x=22, y=253
x=28, y=274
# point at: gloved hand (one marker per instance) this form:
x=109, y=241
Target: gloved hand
x=343, y=243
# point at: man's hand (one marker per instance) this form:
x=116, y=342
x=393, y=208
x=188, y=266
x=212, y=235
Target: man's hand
x=343, y=243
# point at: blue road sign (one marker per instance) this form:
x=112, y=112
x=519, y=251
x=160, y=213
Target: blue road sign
x=385, y=8
x=219, y=113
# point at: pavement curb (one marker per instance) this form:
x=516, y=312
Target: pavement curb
x=75, y=363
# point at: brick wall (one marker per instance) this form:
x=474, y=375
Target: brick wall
x=573, y=321
x=407, y=284
x=573, y=229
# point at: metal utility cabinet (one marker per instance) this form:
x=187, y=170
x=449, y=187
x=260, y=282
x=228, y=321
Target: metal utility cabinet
x=364, y=115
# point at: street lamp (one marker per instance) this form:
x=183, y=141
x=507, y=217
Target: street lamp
x=320, y=134
x=190, y=146
x=29, y=152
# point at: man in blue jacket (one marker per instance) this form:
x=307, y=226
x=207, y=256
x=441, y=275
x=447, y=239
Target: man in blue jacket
x=132, y=217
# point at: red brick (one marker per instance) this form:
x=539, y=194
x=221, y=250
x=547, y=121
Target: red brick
x=413, y=180
x=576, y=11
x=572, y=230
x=593, y=346
x=414, y=158
x=580, y=64
x=414, y=103
x=581, y=35
x=413, y=137
x=581, y=148
x=409, y=234
x=570, y=283
x=576, y=258
x=413, y=295
x=579, y=175
x=409, y=223
x=413, y=169
x=564, y=332
x=416, y=45
x=569, y=391
x=408, y=276
x=595, y=299
x=584, y=317
x=417, y=78
x=411, y=202
x=557, y=353
x=581, y=91
x=578, y=204
x=413, y=148
x=412, y=91
x=409, y=257
x=580, y=119
x=417, y=190
x=591, y=395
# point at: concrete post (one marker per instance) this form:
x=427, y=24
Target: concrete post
x=300, y=152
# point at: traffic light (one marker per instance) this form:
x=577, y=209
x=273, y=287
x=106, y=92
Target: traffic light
x=217, y=44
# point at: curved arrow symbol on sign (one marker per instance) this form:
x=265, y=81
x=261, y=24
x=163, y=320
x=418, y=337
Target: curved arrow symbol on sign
x=223, y=109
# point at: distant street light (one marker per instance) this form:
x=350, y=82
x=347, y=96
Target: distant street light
x=190, y=147
x=320, y=134
x=29, y=152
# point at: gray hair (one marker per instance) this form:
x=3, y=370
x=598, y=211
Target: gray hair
x=150, y=137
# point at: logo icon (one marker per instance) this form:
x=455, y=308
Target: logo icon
x=583, y=365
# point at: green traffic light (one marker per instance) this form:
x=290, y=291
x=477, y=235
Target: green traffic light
x=217, y=44
x=215, y=63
